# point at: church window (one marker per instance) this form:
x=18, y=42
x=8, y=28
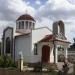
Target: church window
x=19, y=25
x=33, y=25
x=35, y=49
x=26, y=24
x=22, y=26
x=8, y=45
x=29, y=25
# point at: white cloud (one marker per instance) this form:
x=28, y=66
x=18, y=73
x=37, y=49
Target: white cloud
x=63, y=4
x=13, y=8
x=38, y=2
x=51, y=11
x=54, y=9
x=71, y=1
x=44, y=22
x=49, y=1
x=28, y=3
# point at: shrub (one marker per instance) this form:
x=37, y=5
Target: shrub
x=6, y=61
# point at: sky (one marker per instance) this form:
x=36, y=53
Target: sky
x=45, y=12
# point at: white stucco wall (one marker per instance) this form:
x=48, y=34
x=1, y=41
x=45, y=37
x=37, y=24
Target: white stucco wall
x=40, y=33
x=26, y=45
x=37, y=35
x=23, y=44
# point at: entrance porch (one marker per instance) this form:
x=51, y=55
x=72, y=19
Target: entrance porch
x=60, y=50
x=49, y=48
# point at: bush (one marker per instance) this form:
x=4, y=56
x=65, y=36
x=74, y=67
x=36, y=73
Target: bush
x=6, y=61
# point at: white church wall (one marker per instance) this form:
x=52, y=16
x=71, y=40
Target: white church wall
x=37, y=35
x=40, y=33
x=36, y=58
x=23, y=44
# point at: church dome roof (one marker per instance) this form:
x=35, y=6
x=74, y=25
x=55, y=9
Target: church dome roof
x=26, y=17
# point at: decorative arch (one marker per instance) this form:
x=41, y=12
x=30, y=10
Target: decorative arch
x=8, y=45
x=45, y=54
x=58, y=28
x=61, y=28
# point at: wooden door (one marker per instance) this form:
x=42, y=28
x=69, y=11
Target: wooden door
x=45, y=54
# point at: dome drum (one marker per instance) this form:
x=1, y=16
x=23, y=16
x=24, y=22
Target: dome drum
x=25, y=23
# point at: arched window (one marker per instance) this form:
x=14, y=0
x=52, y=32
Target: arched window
x=8, y=45
x=35, y=49
x=22, y=26
x=19, y=25
x=29, y=25
x=33, y=25
x=26, y=24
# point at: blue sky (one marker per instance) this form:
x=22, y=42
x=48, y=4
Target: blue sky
x=45, y=13
x=34, y=1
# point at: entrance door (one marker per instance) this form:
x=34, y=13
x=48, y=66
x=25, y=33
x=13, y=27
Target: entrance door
x=45, y=54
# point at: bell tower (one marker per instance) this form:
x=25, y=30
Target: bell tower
x=58, y=28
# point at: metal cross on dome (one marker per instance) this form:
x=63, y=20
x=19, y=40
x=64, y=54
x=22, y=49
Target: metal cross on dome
x=26, y=11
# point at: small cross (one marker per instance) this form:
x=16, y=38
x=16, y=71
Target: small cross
x=26, y=11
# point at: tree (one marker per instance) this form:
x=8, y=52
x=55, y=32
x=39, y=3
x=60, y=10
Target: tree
x=6, y=61
x=73, y=45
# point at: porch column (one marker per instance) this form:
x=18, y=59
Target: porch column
x=55, y=53
x=65, y=52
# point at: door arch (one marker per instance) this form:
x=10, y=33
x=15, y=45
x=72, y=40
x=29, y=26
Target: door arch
x=45, y=54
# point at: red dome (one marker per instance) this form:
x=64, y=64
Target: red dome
x=26, y=17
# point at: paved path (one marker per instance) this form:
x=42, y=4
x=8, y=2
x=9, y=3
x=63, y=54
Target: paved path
x=60, y=64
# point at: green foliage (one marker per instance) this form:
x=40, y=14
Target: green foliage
x=6, y=61
x=73, y=45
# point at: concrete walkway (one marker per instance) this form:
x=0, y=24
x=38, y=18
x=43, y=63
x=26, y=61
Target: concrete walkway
x=60, y=64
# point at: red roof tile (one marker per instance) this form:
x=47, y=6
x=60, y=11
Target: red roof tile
x=26, y=17
x=47, y=38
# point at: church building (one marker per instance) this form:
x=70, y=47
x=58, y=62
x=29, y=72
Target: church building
x=32, y=44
